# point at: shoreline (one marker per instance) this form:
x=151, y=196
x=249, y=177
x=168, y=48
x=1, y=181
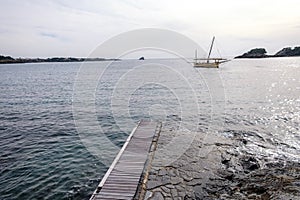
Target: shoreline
x=10, y=60
x=213, y=168
x=262, y=53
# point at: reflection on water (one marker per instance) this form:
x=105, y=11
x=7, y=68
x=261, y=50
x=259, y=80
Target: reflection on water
x=267, y=104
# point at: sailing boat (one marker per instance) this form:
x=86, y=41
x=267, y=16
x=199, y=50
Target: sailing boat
x=208, y=62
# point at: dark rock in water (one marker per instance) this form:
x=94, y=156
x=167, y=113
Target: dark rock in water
x=250, y=164
x=255, y=53
x=141, y=58
x=261, y=53
x=285, y=52
x=6, y=59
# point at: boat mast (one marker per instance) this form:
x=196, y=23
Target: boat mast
x=211, y=46
x=196, y=55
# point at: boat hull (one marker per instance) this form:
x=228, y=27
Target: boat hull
x=206, y=65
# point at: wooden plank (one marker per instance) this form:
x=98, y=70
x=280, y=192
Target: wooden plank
x=122, y=178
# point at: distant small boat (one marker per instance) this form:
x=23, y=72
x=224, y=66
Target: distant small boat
x=208, y=62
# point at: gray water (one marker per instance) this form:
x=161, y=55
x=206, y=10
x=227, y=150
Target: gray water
x=47, y=152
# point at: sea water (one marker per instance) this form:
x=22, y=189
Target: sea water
x=61, y=124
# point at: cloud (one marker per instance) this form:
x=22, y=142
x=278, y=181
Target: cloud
x=51, y=35
x=238, y=24
x=54, y=36
x=3, y=30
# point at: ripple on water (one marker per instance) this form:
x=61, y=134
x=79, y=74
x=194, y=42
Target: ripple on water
x=42, y=156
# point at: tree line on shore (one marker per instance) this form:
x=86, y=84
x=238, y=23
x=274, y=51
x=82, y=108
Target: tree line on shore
x=253, y=53
x=9, y=59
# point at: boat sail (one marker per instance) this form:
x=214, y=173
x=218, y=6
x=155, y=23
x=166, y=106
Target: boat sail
x=208, y=62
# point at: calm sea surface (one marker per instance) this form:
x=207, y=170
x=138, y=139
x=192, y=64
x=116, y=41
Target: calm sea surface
x=61, y=124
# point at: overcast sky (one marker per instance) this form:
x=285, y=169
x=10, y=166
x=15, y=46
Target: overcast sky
x=45, y=28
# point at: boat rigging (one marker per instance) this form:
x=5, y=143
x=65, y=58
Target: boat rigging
x=208, y=62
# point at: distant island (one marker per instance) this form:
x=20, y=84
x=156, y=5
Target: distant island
x=9, y=59
x=262, y=53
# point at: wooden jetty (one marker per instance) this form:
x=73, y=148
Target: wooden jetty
x=128, y=171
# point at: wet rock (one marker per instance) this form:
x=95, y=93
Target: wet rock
x=239, y=196
x=225, y=196
x=244, y=141
x=227, y=175
x=226, y=162
x=292, y=189
x=250, y=164
x=265, y=196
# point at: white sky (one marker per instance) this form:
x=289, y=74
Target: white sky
x=46, y=28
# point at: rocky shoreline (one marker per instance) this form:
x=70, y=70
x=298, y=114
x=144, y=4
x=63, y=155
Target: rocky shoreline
x=214, y=168
x=253, y=53
x=10, y=60
x=262, y=53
